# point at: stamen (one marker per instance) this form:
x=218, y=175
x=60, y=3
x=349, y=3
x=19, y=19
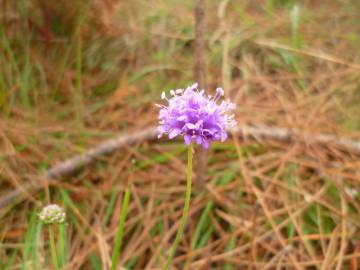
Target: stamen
x=161, y=106
x=220, y=91
x=195, y=85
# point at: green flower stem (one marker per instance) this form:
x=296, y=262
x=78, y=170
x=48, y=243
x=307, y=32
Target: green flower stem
x=120, y=232
x=184, y=217
x=53, y=247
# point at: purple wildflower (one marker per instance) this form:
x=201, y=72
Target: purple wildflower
x=196, y=117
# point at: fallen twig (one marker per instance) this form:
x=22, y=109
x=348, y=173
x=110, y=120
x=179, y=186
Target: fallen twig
x=72, y=165
x=261, y=132
x=257, y=133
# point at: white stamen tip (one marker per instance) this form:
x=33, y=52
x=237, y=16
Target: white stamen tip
x=163, y=96
x=220, y=91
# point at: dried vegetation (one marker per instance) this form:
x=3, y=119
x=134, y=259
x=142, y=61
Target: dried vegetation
x=74, y=73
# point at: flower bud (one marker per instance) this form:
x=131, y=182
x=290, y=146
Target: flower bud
x=52, y=214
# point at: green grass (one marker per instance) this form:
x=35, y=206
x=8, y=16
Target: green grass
x=292, y=197
x=78, y=97
x=62, y=247
x=11, y=262
x=69, y=204
x=203, y=228
x=95, y=262
x=111, y=205
x=31, y=244
x=230, y=245
x=120, y=232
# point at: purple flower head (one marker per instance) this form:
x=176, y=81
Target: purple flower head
x=196, y=117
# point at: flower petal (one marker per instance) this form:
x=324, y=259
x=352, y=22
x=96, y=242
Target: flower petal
x=173, y=133
x=187, y=139
x=205, y=144
x=190, y=126
x=182, y=118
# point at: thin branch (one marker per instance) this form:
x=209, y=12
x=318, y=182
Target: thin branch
x=258, y=133
x=262, y=132
x=199, y=57
x=74, y=164
x=200, y=77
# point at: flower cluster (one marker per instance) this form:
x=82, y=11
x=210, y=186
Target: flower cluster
x=52, y=214
x=195, y=116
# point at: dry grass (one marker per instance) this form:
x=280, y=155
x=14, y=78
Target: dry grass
x=265, y=204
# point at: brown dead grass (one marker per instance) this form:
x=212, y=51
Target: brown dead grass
x=273, y=184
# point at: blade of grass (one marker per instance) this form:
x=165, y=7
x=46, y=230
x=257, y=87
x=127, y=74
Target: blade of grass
x=12, y=260
x=78, y=88
x=293, y=198
x=12, y=64
x=206, y=236
x=95, y=262
x=25, y=86
x=131, y=263
x=111, y=205
x=3, y=90
x=25, y=74
x=29, y=244
x=62, y=240
x=68, y=202
x=230, y=246
x=295, y=19
x=54, y=258
x=120, y=232
x=36, y=246
x=202, y=225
